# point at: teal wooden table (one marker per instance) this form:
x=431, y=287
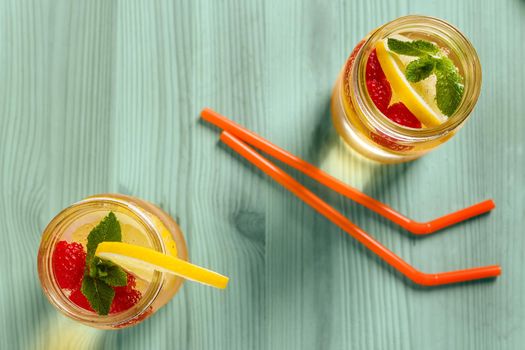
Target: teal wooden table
x=104, y=96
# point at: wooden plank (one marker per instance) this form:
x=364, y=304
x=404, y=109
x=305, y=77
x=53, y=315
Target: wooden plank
x=101, y=96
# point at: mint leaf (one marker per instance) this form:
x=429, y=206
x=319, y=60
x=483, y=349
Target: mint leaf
x=108, y=272
x=449, y=86
x=419, y=69
x=112, y=274
x=449, y=83
x=425, y=46
x=92, y=269
x=107, y=230
x=417, y=48
x=102, y=275
x=98, y=293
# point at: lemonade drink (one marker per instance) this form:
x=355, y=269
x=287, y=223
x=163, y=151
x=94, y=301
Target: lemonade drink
x=406, y=88
x=64, y=243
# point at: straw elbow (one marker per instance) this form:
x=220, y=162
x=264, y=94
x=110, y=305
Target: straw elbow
x=421, y=228
x=426, y=280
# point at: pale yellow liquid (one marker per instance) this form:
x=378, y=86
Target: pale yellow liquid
x=133, y=232
x=364, y=140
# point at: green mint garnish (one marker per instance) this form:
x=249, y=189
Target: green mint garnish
x=101, y=275
x=108, y=272
x=449, y=84
x=99, y=294
x=107, y=230
x=417, y=48
x=420, y=69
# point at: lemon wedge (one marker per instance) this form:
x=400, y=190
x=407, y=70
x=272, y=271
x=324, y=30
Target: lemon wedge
x=143, y=261
x=402, y=87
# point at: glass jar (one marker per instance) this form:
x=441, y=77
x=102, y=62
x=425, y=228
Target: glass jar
x=142, y=223
x=370, y=132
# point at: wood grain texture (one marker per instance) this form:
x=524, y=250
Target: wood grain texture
x=99, y=96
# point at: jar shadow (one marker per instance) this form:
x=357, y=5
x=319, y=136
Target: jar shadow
x=51, y=323
x=329, y=152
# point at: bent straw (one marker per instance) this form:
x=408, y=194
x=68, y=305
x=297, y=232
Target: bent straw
x=418, y=228
x=426, y=279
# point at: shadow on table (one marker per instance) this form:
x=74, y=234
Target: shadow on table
x=303, y=264
x=52, y=330
x=380, y=181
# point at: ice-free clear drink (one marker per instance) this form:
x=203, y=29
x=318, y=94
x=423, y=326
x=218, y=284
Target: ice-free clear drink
x=62, y=256
x=406, y=88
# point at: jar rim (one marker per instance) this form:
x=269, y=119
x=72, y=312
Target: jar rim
x=457, y=42
x=52, y=235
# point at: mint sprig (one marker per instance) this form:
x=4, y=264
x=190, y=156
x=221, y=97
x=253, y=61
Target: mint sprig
x=99, y=294
x=449, y=83
x=108, y=272
x=420, y=69
x=101, y=275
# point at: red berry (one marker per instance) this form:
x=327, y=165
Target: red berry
x=125, y=297
x=389, y=142
x=79, y=299
x=132, y=283
x=373, y=67
x=376, y=83
x=380, y=93
x=400, y=114
x=69, y=261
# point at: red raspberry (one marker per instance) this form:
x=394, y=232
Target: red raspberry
x=69, y=261
x=79, y=299
x=400, y=114
x=373, y=67
x=125, y=297
x=388, y=142
x=124, y=300
x=376, y=83
x=132, y=282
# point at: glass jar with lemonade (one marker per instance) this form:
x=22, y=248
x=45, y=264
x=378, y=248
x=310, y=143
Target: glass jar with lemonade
x=406, y=88
x=110, y=261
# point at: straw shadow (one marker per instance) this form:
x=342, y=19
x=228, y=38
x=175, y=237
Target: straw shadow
x=394, y=274
x=413, y=237
x=259, y=173
x=219, y=144
x=471, y=284
x=381, y=181
x=409, y=283
x=241, y=160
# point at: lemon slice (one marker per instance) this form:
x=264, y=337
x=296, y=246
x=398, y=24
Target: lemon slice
x=140, y=260
x=402, y=87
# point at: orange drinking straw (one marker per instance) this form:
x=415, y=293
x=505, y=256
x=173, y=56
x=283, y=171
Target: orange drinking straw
x=426, y=279
x=418, y=228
